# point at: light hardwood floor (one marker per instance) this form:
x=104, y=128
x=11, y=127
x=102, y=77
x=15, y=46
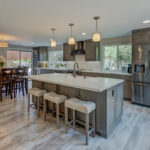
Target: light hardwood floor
x=20, y=131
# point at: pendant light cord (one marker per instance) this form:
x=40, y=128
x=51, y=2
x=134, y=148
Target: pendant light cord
x=53, y=35
x=71, y=31
x=96, y=26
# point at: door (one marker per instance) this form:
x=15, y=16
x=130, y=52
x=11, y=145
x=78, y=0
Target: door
x=92, y=50
x=16, y=58
x=137, y=93
x=67, y=52
x=142, y=93
x=26, y=58
x=146, y=94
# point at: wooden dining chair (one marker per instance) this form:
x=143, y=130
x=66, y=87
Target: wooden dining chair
x=18, y=80
x=6, y=82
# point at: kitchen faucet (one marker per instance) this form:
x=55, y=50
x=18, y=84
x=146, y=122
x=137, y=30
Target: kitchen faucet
x=74, y=71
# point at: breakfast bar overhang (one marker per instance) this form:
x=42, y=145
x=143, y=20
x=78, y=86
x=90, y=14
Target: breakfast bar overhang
x=106, y=93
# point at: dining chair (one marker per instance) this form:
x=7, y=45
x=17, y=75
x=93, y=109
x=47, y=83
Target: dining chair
x=18, y=80
x=6, y=82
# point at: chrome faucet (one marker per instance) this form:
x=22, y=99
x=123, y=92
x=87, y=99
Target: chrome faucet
x=74, y=71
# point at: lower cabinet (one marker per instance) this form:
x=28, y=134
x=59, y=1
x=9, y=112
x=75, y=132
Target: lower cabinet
x=114, y=107
x=127, y=81
x=110, y=108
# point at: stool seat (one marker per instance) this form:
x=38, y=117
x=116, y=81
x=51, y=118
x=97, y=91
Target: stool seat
x=79, y=105
x=55, y=98
x=37, y=92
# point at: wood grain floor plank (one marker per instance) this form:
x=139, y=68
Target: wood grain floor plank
x=20, y=130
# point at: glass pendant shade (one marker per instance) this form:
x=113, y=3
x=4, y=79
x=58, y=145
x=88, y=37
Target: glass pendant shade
x=96, y=37
x=71, y=41
x=3, y=44
x=53, y=43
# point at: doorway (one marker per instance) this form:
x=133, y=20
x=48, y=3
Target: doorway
x=16, y=58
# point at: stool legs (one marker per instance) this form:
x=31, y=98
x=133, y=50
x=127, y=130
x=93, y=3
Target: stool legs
x=66, y=119
x=28, y=102
x=87, y=127
x=74, y=118
x=38, y=106
x=93, y=122
x=45, y=110
x=57, y=114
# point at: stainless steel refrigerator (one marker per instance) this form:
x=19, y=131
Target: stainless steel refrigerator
x=141, y=74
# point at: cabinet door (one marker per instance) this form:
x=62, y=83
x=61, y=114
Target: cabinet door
x=67, y=52
x=137, y=93
x=118, y=101
x=43, y=54
x=92, y=50
x=128, y=89
x=141, y=36
x=146, y=94
x=110, y=108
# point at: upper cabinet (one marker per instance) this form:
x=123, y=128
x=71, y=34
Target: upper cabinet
x=43, y=53
x=67, y=52
x=141, y=36
x=92, y=50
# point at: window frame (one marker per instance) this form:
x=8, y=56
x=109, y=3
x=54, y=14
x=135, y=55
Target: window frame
x=21, y=50
x=103, y=55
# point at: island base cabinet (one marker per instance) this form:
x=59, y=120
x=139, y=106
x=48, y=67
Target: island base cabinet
x=109, y=104
x=114, y=107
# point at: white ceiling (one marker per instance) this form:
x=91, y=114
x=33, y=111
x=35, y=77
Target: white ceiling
x=30, y=20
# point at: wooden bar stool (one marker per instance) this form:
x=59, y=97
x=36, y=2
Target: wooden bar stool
x=85, y=107
x=37, y=93
x=54, y=98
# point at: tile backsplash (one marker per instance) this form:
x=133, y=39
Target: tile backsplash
x=89, y=65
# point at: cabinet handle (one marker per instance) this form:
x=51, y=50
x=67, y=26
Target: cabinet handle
x=112, y=93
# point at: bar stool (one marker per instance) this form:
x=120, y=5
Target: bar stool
x=37, y=93
x=85, y=107
x=54, y=98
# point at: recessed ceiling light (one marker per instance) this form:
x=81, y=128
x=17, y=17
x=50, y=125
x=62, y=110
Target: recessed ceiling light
x=146, y=21
x=83, y=33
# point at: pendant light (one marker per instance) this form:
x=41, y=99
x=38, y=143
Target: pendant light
x=71, y=39
x=3, y=44
x=53, y=42
x=96, y=37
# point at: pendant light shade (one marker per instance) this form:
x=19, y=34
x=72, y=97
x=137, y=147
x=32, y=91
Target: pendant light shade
x=53, y=42
x=3, y=44
x=71, y=39
x=96, y=37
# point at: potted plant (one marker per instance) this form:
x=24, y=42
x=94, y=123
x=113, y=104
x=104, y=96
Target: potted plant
x=2, y=61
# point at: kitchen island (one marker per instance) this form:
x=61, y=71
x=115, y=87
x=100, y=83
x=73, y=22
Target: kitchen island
x=107, y=93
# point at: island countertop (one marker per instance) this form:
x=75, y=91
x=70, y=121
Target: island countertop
x=97, y=84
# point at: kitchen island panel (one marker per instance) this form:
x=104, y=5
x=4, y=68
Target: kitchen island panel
x=109, y=106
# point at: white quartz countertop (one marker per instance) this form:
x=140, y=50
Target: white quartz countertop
x=97, y=84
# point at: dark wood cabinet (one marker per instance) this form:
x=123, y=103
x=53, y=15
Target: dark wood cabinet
x=141, y=36
x=43, y=53
x=67, y=52
x=92, y=50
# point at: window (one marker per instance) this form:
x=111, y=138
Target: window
x=13, y=58
x=19, y=58
x=116, y=56
x=55, y=55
